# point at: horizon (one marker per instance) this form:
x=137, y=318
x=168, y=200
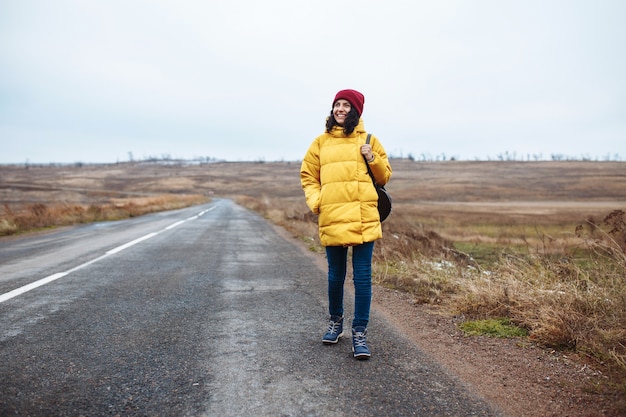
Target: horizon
x=201, y=160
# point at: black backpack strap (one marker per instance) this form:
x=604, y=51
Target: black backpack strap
x=369, y=171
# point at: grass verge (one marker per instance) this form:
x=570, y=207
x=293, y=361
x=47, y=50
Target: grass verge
x=499, y=327
x=38, y=216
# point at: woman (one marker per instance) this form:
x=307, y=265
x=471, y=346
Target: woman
x=339, y=189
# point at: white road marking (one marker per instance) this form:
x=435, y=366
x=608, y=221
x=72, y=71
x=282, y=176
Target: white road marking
x=31, y=286
x=19, y=291
x=171, y=226
x=134, y=242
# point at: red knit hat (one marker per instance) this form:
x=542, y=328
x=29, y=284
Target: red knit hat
x=355, y=98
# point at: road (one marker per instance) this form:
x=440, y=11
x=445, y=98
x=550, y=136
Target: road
x=204, y=311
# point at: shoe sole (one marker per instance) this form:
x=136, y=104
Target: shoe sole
x=362, y=356
x=332, y=342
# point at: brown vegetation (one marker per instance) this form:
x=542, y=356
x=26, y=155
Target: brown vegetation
x=539, y=243
x=34, y=216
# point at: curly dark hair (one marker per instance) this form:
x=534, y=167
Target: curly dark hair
x=352, y=120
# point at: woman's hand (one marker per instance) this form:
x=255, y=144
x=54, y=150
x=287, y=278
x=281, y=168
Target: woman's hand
x=366, y=151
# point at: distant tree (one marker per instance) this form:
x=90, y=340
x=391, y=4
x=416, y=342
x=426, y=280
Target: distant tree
x=614, y=157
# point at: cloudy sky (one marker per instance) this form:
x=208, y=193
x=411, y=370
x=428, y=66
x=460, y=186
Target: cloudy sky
x=104, y=80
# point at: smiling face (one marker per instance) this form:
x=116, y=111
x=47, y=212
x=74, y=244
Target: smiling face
x=341, y=108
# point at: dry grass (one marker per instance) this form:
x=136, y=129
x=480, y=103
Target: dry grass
x=568, y=303
x=36, y=216
x=538, y=243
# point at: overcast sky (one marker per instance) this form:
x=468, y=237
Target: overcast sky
x=101, y=80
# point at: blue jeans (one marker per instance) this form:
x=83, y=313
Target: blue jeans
x=337, y=257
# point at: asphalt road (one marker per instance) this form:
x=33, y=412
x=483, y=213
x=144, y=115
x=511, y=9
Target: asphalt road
x=205, y=311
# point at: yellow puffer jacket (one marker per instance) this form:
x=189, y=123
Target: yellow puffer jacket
x=338, y=188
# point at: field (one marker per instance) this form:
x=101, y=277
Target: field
x=539, y=246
